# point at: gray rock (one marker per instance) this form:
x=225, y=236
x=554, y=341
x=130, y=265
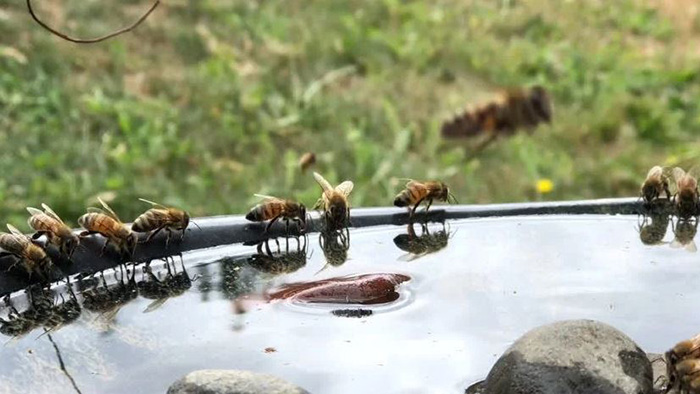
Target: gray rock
x=578, y=356
x=221, y=381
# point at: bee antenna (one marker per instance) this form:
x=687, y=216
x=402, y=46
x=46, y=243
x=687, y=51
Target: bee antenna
x=452, y=196
x=193, y=222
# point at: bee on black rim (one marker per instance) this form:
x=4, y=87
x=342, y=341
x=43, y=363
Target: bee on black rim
x=30, y=255
x=273, y=209
x=48, y=223
x=334, y=202
x=417, y=192
x=161, y=218
x=106, y=223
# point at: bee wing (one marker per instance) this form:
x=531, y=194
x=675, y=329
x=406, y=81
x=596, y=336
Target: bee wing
x=155, y=305
x=410, y=257
x=691, y=247
x=676, y=244
x=155, y=204
x=677, y=173
x=109, y=210
x=345, y=188
x=694, y=171
x=323, y=182
x=266, y=197
x=50, y=212
x=14, y=230
x=33, y=211
x=97, y=210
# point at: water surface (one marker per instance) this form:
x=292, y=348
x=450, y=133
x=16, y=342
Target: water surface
x=463, y=306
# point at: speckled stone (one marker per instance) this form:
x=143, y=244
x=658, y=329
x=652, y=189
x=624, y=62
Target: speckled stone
x=578, y=356
x=215, y=381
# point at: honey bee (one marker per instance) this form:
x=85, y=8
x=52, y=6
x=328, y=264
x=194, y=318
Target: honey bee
x=514, y=109
x=50, y=224
x=273, y=209
x=31, y=256
x=334, y=202
x=161, y=218
x=686, y=199
x=417, y=192
x=688, y=375
x=656, y=184
x=307, y=160
x=106, y=223
x=684, y=350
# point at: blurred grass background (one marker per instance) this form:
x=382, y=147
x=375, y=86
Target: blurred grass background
x=210, y=101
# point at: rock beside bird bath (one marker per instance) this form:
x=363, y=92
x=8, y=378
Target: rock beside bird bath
x=214, y=381
x=577, y=356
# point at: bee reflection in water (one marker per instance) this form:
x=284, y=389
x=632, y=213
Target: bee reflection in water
x=652, y=228
x=280, y=262
x=684, y=231
x=335, y=245
x=420, y=245
x=107, y=300
x=41, y=311
x=160, y=290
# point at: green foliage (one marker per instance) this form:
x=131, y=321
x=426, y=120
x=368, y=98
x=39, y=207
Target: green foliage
x=209, y=102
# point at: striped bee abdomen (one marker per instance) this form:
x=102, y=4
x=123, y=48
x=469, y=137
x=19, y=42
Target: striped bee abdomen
x=150, y=220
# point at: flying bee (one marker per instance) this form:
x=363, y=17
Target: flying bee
x=31, y=256
x=273, y=209
x=684, y=350
x=106, y=223
x=519, y=107
x=50, y=224
x=417, y=192
x=656, y=184
x=334, y=202
x=686, y=199
x=161, y=218
x=307, y=160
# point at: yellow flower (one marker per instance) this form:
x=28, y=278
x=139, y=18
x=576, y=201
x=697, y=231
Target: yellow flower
x=544, y=186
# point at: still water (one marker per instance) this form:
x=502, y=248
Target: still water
x=463, y=306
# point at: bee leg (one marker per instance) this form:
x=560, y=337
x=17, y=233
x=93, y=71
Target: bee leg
x=38, y=235
x=415, y=206
x=167, y=237
x=87, y=233
x=267, y=247
x=104, y=247
x=267, y=228
x=153, y=234
x=427, y=207
x=286, y=223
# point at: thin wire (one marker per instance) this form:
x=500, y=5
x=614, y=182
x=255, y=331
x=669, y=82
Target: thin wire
x=90, y=40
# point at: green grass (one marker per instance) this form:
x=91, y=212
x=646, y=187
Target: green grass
x=211, y=101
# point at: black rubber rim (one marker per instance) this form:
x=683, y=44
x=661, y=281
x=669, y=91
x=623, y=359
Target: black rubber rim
x=227, y=230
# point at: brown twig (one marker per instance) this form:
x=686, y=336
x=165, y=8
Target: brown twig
x=90, y=40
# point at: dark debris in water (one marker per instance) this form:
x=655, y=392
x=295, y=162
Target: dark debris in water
x=352, y=312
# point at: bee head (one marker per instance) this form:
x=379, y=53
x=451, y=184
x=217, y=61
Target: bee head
x=541, y=103
x=302, y=214
x=131, y=242
x=69, y=245
x=649, y=192
x=185, y=220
